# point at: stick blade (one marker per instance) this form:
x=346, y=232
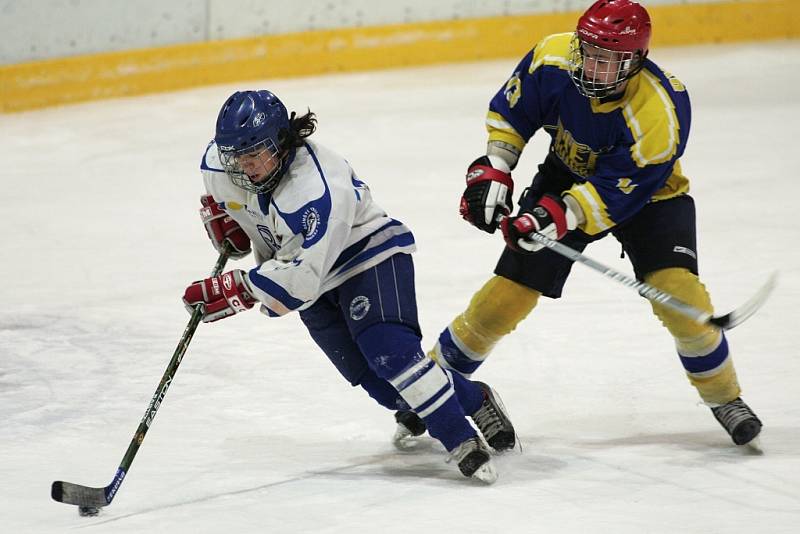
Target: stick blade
x=82, y=496
x=746, y=310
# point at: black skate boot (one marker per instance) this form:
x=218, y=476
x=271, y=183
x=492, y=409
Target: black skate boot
x=493, y=422
x=738, y=420
x=474, y=461
x=409, y=426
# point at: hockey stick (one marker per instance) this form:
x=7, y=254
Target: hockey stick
x=90, y=500
x=723, y=322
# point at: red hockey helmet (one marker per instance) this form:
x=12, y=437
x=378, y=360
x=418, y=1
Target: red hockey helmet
x=609, y=47
x=621, y=25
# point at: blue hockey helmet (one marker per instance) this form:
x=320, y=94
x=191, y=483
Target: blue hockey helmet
x=251, y=127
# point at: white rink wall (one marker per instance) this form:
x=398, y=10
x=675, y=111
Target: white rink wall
x=47, y=29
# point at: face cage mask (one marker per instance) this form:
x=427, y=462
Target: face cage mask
x=240, y=178
x=611, y=68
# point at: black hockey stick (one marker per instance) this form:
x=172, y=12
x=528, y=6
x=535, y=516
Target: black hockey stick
x=90, y=500
x=724, y=322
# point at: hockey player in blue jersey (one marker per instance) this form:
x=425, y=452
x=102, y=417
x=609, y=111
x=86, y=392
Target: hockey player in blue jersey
x=618, y=125
x=324, y=248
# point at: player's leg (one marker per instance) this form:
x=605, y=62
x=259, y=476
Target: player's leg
x=330, y=332
x=704, y=353
x=661, y=243
x=508, y=297
x=502, y=303
x=380, y=308
x=486, y=410
x=328, y=328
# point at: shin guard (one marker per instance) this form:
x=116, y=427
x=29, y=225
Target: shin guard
x=494, y=311
x=703, y=349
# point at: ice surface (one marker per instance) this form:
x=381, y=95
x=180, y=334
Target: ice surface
x=100, y=235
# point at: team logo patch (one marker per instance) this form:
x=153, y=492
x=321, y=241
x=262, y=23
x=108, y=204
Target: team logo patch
x=258, y=120
x=359, y=307
x=311, y=222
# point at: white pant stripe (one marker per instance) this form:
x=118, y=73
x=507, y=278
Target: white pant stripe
x=425, y=387
x=396, y=291
x=441, y=400
x=409, y=372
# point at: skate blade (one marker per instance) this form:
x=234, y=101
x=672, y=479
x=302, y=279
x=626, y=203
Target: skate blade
x=485, y=474
x=753, y=446
x=403, y=441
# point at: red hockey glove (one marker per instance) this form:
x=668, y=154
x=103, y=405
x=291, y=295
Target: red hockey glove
x=220, y=296
x=550, y=217
x=488, y=194
x=220, y=228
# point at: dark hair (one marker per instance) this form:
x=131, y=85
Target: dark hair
x=299, y=128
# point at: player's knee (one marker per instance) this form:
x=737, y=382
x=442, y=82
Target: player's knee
x=497, y=308
x=687, y=287
x=389, y=348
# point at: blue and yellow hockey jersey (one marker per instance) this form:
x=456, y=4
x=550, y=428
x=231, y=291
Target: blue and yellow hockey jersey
x=621, y=153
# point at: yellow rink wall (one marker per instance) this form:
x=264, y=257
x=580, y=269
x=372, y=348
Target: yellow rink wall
x=133, y=72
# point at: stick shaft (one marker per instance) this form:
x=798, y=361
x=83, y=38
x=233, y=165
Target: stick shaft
x=163, y=386
x=646, y=290
x=85, y=496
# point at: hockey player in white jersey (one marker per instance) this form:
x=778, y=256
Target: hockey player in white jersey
x=323, y=248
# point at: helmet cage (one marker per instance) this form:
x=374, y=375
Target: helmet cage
x=610, y=68
x=262, y=162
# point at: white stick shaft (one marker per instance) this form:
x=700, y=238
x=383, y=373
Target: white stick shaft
x=646, y=290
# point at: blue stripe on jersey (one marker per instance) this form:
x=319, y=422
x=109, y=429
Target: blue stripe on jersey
x=357, y=184
x=274, y=290
x=709, y=361
x=263, y=202
x=350, y=252
x=312, y=219
x=401, y=240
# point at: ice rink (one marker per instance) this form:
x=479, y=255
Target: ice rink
x=100, y=236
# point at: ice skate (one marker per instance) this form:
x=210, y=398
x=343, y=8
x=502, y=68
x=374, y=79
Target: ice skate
x=409, y=427
x=474, y=461
x=739, y=421
x=493, y=422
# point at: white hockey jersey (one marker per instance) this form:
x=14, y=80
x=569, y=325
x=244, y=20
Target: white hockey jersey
x=318, y=228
